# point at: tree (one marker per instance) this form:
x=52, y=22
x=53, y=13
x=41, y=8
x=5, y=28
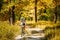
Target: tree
x=1, y=2
x=56, y=9
x=12, y=16
x=35, y=10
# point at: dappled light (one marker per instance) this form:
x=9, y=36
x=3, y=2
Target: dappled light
x=29, y=19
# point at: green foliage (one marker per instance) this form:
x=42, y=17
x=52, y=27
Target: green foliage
x=1, y=3
x=57, y=12
x=58, y=9
x=24, y=5
x=4, y=16
x=17, y=16
x=48, y=11
x=43, y=17
x=28, y=18
x=8, y=32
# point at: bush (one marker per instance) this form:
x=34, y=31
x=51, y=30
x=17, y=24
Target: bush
x=52, y=33
x=8, y=32
x=43, y=17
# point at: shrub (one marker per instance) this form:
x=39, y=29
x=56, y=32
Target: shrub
x=43, y=17
x=8, y=32
x=52, y=33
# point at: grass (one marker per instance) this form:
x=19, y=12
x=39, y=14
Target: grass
x=52, y=33
x=8, y=32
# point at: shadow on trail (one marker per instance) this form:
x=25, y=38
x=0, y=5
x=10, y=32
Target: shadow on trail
x=29, y=38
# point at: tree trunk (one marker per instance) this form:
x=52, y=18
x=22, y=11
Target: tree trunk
x=55, y=17
x=1, y=3
x=35, y=10
x=12, y=16
x=56, y=12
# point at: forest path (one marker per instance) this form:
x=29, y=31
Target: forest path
x=32, y=34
